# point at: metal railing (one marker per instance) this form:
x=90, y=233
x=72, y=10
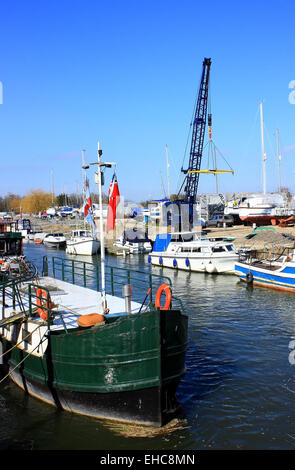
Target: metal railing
x=88, y=275
x=29, y=298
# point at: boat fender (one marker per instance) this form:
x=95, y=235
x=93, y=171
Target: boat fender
x=187, y=262
x=160, y=260
x=249, y=277
x=210, y=268
x=175, y=263
x=167, y=290
x=90, y=319
x=149, y=259
x=43, y=299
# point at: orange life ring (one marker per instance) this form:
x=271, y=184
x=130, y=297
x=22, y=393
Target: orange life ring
x=43, y=299
x=167, y=290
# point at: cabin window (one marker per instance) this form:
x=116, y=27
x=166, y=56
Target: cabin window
x=197, y=249
x=218, y=249
x=229, y=247
x=186, y=250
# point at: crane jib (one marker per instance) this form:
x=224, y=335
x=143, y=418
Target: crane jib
x=198, y=132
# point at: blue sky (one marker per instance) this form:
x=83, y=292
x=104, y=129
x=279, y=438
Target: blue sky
x=127, y=73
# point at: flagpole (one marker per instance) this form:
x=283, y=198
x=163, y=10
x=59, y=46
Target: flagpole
x=98, y=181
x=102, y=248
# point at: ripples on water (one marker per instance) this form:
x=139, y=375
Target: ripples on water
x=238, y=392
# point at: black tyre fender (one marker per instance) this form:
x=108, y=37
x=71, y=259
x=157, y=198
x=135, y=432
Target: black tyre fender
x=249, y=277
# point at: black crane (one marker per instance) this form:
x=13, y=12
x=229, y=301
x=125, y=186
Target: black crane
x=199, y=124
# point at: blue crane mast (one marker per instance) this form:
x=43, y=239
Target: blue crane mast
x=199, y=124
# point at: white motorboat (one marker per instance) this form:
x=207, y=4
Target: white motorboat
x=54, y=240
x=261, y=209
x=134, y=241
x=82, y=242
x=192, y=252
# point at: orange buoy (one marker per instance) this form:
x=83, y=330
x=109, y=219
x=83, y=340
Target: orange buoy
x=43, y=300
x=90, y=319
x=163, y=288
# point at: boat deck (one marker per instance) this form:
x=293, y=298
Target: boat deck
x=73, y=301
x=269, y=267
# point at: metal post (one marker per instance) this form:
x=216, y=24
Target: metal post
x=112, y=280
x=127, y=293
x=279, y=157
x=262, y=149
x=102, y=249
x=84, y=274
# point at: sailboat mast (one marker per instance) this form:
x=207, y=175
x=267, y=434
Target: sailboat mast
x=52, y=189
x=83, y=183
x=279, y=157
x=168, y=173
x=262, y=149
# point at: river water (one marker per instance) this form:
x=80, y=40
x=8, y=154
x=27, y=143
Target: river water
x=238, y=392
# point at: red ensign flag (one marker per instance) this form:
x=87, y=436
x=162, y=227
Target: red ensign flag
x=114, y=198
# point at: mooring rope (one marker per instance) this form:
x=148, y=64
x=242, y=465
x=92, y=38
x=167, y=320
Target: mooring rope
x=24, y=339
x=28, y=354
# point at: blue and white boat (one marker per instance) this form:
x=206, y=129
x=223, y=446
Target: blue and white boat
x=275, y=274
x=191, y=251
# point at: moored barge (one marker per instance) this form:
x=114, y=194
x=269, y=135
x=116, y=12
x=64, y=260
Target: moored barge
x=123, y=362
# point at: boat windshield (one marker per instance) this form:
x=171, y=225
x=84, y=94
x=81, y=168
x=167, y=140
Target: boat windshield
x=183, y=237
x=81, y=233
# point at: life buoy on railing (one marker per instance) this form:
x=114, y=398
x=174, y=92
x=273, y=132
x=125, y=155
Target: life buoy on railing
x=43, y=300
x=249, y=277
x=163, y=288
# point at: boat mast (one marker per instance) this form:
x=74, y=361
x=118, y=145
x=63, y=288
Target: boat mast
x=99, y=182
x=168, y=175
x=102, y=248
x=83, y=184
x=52, y=189
x=279, y=157
x=262, y=150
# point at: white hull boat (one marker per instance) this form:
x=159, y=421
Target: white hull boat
x=82, y=243
x=134, y=242
x=54, y=240
x=191, y=252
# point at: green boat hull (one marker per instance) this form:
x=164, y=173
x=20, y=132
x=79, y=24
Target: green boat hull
x=127, y=369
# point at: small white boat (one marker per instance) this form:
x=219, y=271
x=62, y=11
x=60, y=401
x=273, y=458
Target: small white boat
x=134, y=241
x=192, y=252
x=54, y=240
x=39, y=237
x=82, y=242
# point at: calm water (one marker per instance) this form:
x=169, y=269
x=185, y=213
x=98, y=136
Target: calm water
x=238, y=393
